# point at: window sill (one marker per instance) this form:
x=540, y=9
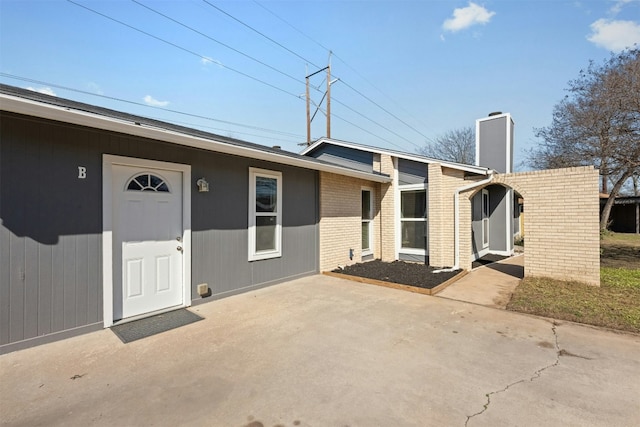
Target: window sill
x=264, y=255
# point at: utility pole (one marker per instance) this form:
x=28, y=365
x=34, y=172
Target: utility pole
x=308, y=113
x=327, y=94
x=308, y=107
x=329, y=97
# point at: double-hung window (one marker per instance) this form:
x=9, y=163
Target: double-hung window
x=413, y=220
x=265, y=214
x=367, y=219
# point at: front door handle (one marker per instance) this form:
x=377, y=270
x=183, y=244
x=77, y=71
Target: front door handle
x=179, y=248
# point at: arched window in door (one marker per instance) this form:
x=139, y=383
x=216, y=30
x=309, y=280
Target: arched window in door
x=147, y=182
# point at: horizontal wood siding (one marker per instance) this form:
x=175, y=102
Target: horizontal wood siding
x=51, y=229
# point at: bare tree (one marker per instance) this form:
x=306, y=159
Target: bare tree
x=597, y=123
x=458, y=145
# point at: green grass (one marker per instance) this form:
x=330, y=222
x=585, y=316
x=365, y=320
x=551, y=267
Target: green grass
x=615, y=304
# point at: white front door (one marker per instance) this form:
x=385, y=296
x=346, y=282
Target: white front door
x=147, y=240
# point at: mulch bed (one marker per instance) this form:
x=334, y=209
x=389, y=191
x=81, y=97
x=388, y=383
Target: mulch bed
x=405, y=273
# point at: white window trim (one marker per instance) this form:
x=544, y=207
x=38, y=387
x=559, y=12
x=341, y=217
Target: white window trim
x=277, y=252
x=410, y=187
x=485, y=238
x=372, y=204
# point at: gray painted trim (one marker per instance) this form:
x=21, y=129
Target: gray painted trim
x=49, y=338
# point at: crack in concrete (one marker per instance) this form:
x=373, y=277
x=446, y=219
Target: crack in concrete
x=535, y=376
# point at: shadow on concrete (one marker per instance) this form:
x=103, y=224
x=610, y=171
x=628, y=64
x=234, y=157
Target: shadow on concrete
x=516, y=271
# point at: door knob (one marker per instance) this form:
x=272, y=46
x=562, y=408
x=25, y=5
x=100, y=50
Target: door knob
x=179, y=248
x=178, y=238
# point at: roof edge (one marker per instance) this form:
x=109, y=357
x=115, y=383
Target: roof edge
x=414, y=157
x=28, y=107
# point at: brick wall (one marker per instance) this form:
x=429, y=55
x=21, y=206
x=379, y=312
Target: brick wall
x=387, y=212
x=442, y=185
x=561, y=218
x=340, y=219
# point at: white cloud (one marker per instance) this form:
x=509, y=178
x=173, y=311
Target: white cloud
x=45, y=90
x=149, y=100
x=614, y=35
x=617, y=7
x=466, y=17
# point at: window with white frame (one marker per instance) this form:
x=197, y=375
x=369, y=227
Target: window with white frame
x=413, y=220
x=367, y=221
x=265, y=214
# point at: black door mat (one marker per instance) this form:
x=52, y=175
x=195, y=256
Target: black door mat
x=138, y=329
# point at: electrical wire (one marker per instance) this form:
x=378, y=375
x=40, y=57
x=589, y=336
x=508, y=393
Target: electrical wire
x=169, y=110
x=352, y=69
x=260, y=33
x=184, y=49
x=219, y=42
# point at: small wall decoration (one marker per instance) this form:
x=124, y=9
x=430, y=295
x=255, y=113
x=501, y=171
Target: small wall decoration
x=82, y=172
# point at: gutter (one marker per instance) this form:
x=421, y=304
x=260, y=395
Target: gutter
x=456, y=220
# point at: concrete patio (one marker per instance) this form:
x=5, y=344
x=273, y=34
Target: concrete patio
x=321, y=351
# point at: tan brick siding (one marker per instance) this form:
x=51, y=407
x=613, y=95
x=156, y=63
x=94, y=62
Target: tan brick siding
x=561, y=218
x=340, y=220
x=387, y=211
x=442, y=185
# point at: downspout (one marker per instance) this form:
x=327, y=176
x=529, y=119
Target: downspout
x=456, y=219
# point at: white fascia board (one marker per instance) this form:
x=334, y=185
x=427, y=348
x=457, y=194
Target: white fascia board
x=416, y=158
x=68, y=115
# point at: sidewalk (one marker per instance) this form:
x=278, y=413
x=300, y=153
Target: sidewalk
x=490, y=285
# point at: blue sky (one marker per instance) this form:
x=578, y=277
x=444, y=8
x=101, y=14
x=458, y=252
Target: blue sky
x=428, y=66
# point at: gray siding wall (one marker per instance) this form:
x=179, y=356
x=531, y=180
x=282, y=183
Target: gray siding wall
x=476, y=223
x=498, y=220
x=51, y=223
x=344, y=156
x=492, y=137
x=410, y=172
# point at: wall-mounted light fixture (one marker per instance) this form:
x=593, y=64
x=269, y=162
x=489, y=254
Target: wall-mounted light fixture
x=203, y=185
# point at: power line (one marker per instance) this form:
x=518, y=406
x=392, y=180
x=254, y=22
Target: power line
x=384, y=109
x=292, y=26
x=218, y=42
x=169, y=110
x=184, y=49
x=352, y=69
x=260, y=33
x=376, y=123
